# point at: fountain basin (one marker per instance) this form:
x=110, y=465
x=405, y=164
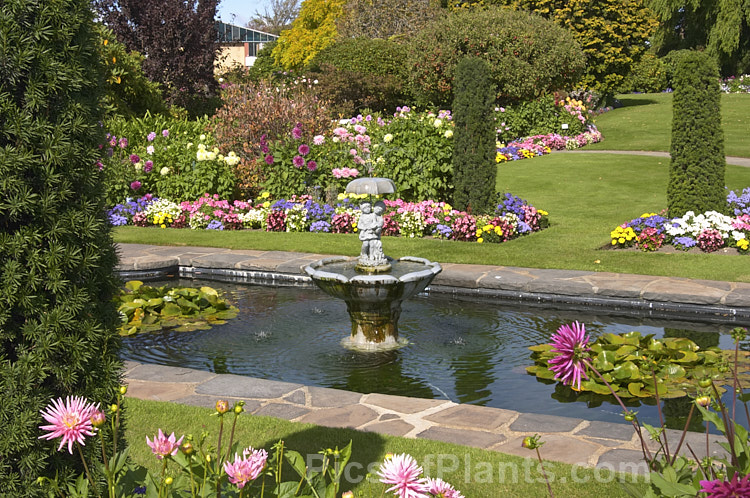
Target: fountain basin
x=373, y=301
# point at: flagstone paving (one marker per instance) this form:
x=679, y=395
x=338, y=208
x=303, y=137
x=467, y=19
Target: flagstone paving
x=569, y=440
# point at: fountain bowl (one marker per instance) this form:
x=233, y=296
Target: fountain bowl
x=373, y=300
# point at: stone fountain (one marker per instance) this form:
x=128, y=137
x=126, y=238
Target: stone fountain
x=372, y=285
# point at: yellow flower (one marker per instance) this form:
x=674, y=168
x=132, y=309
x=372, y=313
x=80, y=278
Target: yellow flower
x=163, y=225
x=266, y=195
x=104, y=42
x=480, y=240
x=542, y=212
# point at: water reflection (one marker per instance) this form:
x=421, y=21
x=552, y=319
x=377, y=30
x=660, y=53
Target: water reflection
x=465, y=350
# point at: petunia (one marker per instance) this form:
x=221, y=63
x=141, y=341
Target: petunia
x=70, y=419
x=570, y=343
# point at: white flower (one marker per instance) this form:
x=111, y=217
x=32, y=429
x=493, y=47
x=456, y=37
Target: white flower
x=388, y=138
x=202, y=137
x=448, y=133
x=437, y=123
x=164, y=171
x=150, y=149
x=138, y=166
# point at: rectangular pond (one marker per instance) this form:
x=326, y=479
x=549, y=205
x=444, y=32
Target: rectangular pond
x=465, y=350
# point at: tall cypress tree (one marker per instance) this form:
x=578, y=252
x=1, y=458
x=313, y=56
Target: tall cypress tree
x=57, y=319
x=696, y=172
x=474, y=168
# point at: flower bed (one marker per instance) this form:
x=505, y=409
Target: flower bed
x=512, y=218
x=708, y=231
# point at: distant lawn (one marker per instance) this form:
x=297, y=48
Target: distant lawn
x=645, y=123
x=586, y=195
x=476, y=472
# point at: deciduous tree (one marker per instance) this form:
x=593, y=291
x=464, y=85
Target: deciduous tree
x=312, y=31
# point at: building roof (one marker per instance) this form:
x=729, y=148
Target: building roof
x=231, y=33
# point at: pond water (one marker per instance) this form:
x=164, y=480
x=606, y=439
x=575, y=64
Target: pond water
x=465, y=350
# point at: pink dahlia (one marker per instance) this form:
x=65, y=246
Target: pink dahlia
x=403, y=472
x=162, y=445
x=441, y=489
x=570, y=342
x=71, y=420
x=298, y=161
x=246, y=469
x=727, y=489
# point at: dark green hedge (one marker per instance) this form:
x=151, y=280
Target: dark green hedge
x=696, y=172
x=57, y=319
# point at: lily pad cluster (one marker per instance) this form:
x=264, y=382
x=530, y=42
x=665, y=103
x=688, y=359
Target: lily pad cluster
x=148, y=309
x=630, y=362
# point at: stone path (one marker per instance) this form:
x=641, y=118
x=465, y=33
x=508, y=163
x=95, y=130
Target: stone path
x=575, y=441
x=736, y=161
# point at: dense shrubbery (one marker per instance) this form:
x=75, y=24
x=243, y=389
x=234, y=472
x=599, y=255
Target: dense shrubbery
x=528, y=56
x=263, y=109
x=548, y=114
x=57, y=320
x=166, y=157
x=359, y=73
x=649, y=75
x=474, y=170
x=696, y=172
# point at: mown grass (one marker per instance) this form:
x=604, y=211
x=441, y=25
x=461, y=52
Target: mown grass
x=645, y=123
x=586, y=196
x=476, y=472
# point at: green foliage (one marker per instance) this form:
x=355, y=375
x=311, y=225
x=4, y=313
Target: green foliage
x=474, y=169
x=386, y=19
x=719, y=27
x=626, y=362
x=57, y=321
x=184, y=161
x=360, y=73
x=144, y=308
x=541, y=116
x=528, y=56
x=613, y=33
x=128, y=91
x=696, y=172
x=312, y=31
x=253, y=110
x=264, y=66
x=649, y=75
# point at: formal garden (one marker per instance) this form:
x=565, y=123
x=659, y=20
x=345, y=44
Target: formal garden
x=508, y=130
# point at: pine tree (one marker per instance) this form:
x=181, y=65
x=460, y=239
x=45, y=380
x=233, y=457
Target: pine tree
x=474, y=168
x=696, y=172
x=57, y=318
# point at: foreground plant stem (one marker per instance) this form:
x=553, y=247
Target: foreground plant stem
x=86, y=468
x=544, y=473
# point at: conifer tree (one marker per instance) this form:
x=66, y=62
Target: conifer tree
x=696, y=172
x=474, y=168
x=57, y=317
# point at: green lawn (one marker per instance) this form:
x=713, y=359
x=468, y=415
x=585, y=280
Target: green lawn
x=645, y=123
x=477, y=473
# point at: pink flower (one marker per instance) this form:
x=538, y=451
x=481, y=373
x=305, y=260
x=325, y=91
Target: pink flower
x=403, y=472
x=319, y=139
x=297, y=132
x=353, y=152
x=726, y=489
x=148, y=166
x=247, y=468
x=269, y=159
x=123, y=142
x=438, y=487
x=165, y=133
x=71, y=420
x=570, y=342
x=298, y=161
x=134, y=158
x=162, y=446
x=303, y=149
x=360, y=129
x=150, y=149
x=312, y=165
x=151, y=136
x=135, y=185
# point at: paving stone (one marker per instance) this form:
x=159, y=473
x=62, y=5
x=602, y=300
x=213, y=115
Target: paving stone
x=282, y=410
x=556, y=447
x=622, y=461
x=352, y=416
x=207, y=401
x=622, y=432
x=560, y=286
x=159, y=391
x=506, y=279
x=238, y=386
x=681, y=291
x=619, y=285
x=260, y=263
x=323, y=397
x=154, y=262
x=527, y=422
x=472, y=416
x=391, y=427
x=388, y=416
x=402, y=404
x=477, y=439
x=458, y=275
x=297, y=397
x=159, y=373
x=226, y=260
x=739, y=296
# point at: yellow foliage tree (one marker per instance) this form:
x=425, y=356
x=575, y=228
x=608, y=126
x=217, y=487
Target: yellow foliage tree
x=312, y=31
